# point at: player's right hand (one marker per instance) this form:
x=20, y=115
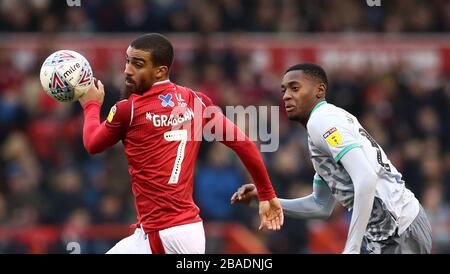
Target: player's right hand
x=271, y=214
x=93, y=93
x=245, y=194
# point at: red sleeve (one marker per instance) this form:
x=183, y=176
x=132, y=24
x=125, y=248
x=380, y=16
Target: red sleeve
x=247, y=152
x=250, y=156
x=99, y=136
x=205, y=99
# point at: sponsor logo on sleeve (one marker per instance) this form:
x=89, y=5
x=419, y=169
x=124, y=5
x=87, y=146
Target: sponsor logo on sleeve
x=333, y=137
x=111, y=114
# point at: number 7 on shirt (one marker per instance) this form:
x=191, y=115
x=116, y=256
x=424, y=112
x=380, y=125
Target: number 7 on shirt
x=173, y=136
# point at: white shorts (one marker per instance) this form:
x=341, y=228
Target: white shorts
x=182, y=239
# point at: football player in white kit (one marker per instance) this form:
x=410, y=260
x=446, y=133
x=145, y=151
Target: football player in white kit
x=352, y=169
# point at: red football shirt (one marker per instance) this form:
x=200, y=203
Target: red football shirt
x=161, y=131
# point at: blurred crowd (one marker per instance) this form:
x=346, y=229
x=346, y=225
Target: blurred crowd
x=47, y=177
x=225, y=16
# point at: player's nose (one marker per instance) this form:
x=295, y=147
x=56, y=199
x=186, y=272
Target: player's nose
x=286, y=96
x=128, y=70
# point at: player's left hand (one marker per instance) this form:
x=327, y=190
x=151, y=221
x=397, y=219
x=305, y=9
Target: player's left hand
x=271, y=214
x=245, y=194
x=94, y=93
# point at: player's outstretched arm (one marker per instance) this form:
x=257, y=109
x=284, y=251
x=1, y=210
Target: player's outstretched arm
x=270, y=209
x=318, y=205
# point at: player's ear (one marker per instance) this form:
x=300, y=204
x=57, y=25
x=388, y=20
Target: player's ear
x=162, y=71
x=321, y=89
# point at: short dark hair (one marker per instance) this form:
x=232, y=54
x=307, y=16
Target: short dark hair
x=312, y=70
x=159, y=47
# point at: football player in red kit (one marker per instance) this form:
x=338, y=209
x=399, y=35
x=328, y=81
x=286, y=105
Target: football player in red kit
x=159, y=124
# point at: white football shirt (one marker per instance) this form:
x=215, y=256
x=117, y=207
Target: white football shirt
x=332, y=132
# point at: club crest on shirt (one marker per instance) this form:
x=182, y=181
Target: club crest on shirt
x=333, y=137
x=166, y=100
x=111, y=114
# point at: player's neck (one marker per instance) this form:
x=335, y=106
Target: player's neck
x=319, y=103
x=304, y=122
x=161, y=81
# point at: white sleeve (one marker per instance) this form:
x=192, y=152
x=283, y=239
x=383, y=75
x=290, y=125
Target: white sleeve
x=364, y=181
x=319, y=204
x=332, y=135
